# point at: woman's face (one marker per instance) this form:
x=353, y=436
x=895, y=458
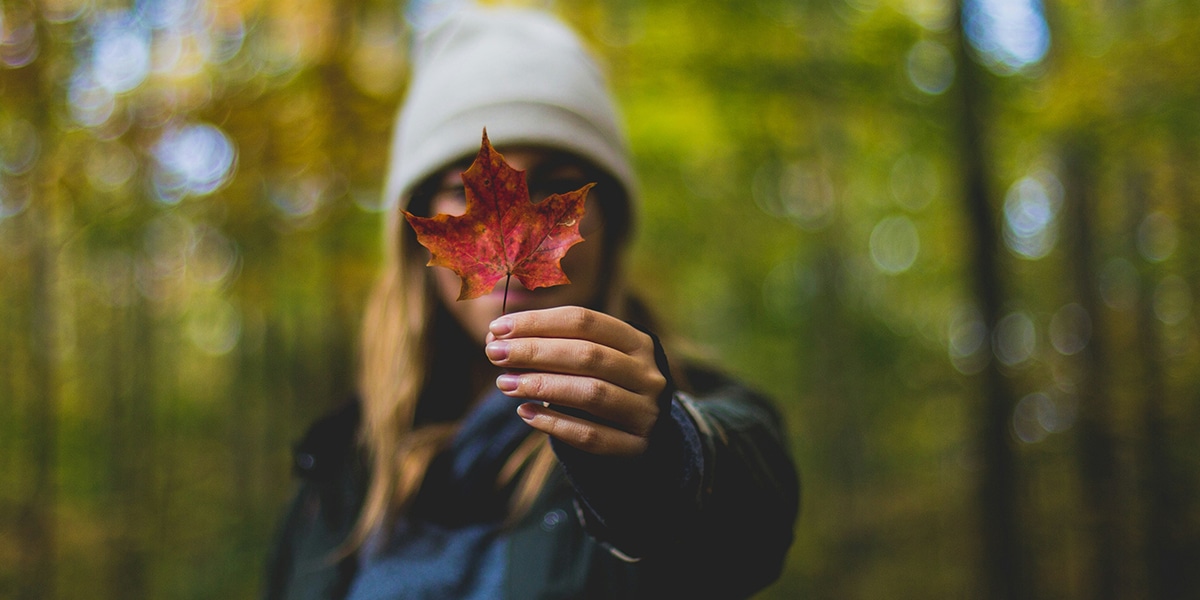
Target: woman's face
x=546, y=172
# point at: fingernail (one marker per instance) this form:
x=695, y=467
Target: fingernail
x=508, y=382
x=526, y=411
x=501, y=326
x=496, y=351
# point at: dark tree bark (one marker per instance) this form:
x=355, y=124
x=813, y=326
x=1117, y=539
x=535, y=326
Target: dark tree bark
x=1005, y=570
x=1096, y=452
x=1185, y=482
x=1161, y=480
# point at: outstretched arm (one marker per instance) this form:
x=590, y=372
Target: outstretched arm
x=702, y=485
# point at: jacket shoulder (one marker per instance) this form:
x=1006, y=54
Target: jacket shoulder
x=322, y=454
x=304, y=562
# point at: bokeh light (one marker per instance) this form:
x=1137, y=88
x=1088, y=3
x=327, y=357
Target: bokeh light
x=895, y=244
x=120, y=53
x=930, y=67
x=914, y=182
x=194, y=159
x=19, y=146
x=165, y=14
x=1026, y=425
x=1015, y=339
x=65, y=11
x=1119, y=281
x=967, y=338
x=18, y=38
x=228, y=37
x=214, y=258
x=213, y=326
x=1070, y=329
x=90, y=103
x=1157, y=237
x=1172, y=300
x=1010, y=34
x=933, y=15
x=1031, y=216
x=301, y=197
x=800, y=192
x=15, y=196
x=1037, y=415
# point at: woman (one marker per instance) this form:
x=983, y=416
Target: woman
x=550, y=452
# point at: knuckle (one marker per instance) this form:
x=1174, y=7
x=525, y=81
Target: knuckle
x=581, y=319
x=656, y=380
x=534, y=385
x=596, y=393
x=525, y=352
x=591, y=357
x=588, y=439
x=647, y=343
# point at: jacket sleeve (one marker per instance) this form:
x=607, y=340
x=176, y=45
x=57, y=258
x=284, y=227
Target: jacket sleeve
x=750, y=493
x=712, y=504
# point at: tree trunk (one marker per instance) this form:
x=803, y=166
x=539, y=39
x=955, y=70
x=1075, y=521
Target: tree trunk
x=1186, y=483
x=1161, y=480
x=1005, y=571
x=1096, y=453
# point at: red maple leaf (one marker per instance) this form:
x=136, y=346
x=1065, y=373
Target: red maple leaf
x=502, y=233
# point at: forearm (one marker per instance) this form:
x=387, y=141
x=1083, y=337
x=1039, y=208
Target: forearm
x=716, y=496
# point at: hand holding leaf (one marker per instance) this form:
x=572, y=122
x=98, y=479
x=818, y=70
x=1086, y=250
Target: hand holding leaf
x=502, y=233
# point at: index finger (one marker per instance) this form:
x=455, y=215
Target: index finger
x=573, y=322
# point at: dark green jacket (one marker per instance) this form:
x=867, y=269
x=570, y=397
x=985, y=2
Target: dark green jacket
x=729, y=544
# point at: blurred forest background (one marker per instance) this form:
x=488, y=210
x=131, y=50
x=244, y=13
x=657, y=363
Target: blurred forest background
x=960, y=244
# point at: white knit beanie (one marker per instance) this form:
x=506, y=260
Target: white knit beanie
x=520, y=73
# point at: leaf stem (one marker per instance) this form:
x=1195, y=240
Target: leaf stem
x=504, y=303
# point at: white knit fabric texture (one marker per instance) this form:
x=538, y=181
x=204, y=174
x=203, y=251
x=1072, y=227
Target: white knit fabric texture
x=520, y=73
